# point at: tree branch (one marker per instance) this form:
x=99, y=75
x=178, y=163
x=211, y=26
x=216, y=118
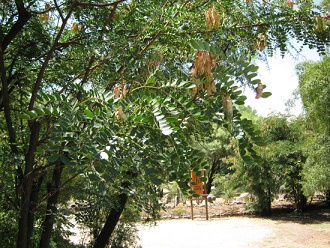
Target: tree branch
x=100, y=4
x=23, y=17
x=46, y=62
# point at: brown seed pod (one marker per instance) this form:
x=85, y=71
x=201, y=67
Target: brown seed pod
x=212, y=18
x=290, y=3
x=44, y=16
x=260, y=89
x=260, y=42
x=121, y=114
x=228, y=106
x=74, y=27
x=116, y=91
x=319, y=24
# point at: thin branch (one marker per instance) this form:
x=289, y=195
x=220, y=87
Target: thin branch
x=46, y=62
x=6, y=100
x=100, y=4
x=161, y=32
x=23, y=17
x=58, y=10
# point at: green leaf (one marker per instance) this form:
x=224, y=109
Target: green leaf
x=23, y=116
x=112, y=170
x=39, y=111
x=102, y=188
x=93, y=177
x=156, y=181
x=88, y=113
x=266, y=94
x=194, y=44
x=171, y=119
x=149, y=171
x=255, y=81
x=58, y=97
x=203, y=179
x=108, y=179
x=65, y=159
x=53, y=158
x=32, y=114
x=252, y=75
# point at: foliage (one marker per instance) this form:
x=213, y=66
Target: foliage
x=133, y=81
x=314, y=90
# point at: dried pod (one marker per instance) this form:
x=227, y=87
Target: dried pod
x=203, y=65
x=44, y=16
x=259, y=90
x=124, y=90
x=248, y=1
x=228, y=106
x=116, y=91
x=212, y=18
x=327, y=16
x=199, y=63
x=74, y=27
x=261, y=42
x=195, y=90
x=213, y=60
x=204, y=62
x=319, y=24
x=290, y=3
x=121, y=114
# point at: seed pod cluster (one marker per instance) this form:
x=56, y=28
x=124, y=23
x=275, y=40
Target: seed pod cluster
x=260, y=41
x=319, y=24
x=212, y=18
x=44, y=16
x=203, y=65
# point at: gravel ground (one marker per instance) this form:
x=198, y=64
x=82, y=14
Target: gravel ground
x=224, y=232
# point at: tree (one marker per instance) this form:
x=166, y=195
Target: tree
x=217, y=147
x=79, y=78
x=314, y=91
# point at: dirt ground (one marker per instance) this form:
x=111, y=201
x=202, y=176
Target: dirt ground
x=231, y=225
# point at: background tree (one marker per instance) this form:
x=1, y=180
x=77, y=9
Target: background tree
x=217, y=147
x=83, y=78
x=314, y=90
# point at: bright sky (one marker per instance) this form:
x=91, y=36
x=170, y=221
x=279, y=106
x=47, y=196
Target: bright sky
x=281, y=80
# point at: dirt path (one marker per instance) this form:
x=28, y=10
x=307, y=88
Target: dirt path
x=236, y=232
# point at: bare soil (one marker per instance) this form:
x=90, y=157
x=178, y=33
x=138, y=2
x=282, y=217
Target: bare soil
x=231, y=225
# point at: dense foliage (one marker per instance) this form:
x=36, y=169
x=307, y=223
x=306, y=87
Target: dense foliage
x=315, y=93
x=131, y=81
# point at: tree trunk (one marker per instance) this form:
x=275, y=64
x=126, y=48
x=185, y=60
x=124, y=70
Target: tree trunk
x=215, y=166
x=25, y=221
x=111, y=222
x=33, y=203
x=53, y=189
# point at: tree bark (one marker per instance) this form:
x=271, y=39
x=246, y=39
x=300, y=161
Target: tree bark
x=51, y=209
x=111, y=222
x=213, y=170
x=25, y=187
